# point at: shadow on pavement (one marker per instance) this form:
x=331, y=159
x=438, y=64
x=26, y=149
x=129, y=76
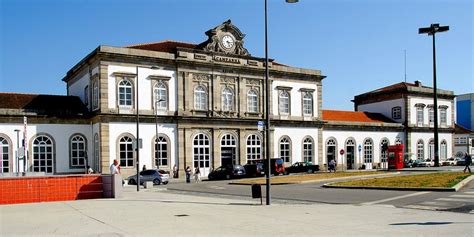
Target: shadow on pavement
x=187, y=202
x=430, y=223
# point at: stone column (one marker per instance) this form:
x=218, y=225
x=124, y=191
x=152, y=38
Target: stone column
x=241, y=97
x=182, y=152
x=242, y=146
x=216, y=149
x=180, y=88
x=104, y=147
x=320, y=149
x=104, y=88
x=215, y=94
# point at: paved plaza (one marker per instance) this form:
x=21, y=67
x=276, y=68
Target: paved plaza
x=158, y=212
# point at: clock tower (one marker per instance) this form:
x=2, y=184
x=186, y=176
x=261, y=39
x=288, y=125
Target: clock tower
x=225, y=38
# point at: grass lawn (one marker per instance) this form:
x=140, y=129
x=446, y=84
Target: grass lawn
x=434, y=180
x=293, y=179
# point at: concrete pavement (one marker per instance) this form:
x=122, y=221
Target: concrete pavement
x=155, y=212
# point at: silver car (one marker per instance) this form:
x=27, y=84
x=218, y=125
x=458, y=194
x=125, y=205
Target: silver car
x=157, y=176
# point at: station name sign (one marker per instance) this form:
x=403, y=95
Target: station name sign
x=226, y=59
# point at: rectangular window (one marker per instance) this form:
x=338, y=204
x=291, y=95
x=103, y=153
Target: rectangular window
x=86, y=95
x=442, y=117
x=419, y=116
x=431, y=117
x=307, y=104
x=95, y=95
x=397, y=112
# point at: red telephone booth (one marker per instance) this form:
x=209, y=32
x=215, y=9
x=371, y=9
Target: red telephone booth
x=395, y=157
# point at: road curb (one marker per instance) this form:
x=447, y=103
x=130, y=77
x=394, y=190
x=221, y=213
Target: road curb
x=455, y=188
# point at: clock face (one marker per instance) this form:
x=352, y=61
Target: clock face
x=227, y=41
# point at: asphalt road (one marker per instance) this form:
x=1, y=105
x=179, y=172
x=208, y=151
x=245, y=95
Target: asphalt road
x=461, y=201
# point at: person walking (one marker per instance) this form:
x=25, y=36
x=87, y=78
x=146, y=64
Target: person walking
x=332, y=165
x=175, y=171
x=468, y=161
x=197, y=175
x=188, y=174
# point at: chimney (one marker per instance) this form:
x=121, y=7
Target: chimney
x=418, y=83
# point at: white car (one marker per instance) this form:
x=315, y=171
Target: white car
x=425, y=163
x=451, y=161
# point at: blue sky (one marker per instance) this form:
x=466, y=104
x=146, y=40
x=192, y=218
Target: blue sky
x=358, y=45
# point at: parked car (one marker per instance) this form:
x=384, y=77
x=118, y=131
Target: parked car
x=227, y=172
x=460, y=161
x=157, y=176
x=449, y=162
x=255, y=170
x=424, y=163
x=300, y=167
x=408, y=164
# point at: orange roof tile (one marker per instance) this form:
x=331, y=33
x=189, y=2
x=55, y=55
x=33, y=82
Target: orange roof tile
x=351, y=116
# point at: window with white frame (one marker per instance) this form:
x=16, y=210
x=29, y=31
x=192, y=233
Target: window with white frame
x=431, y=149
x=443, y=116
x=308, y=150
x=307, y=104
x=200, y=98
x=397, y=112
x=285, y=149
x=460, y=140
x=43, y=154
x=368, y=151
x=443, y=150
x=252, y=101
x=383, y=154
x=431, y=116
x=419, y=116
x=161, y=151
x=161, y=96
x=95, y=94
x=78, y=151
x=254, y=148
x=4, y=155
x=284, y=102
x=420, y=150
x=227, y=99
x=126, y=154
x=331, y=150
x=202, y=151
x=125, y=91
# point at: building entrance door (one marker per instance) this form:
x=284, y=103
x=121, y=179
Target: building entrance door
x=350, y=157
x=227, y=156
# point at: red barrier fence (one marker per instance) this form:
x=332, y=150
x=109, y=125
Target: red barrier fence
x=50, y=188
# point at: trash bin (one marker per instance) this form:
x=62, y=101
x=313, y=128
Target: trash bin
x=256, y=191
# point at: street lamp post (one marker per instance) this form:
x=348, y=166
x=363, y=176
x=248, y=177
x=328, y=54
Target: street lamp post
x=156, y=130
x=432, y=30
x=267, y=108
x=17, y=150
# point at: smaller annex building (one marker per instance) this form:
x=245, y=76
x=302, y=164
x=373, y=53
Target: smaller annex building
x=198, y=105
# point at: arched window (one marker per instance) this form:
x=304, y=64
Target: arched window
x=383, y=154
x=284, y=102
x=431, y=116
x=368, y=151
x=252, y=101
x=161, y=96
x=4, y=155
x=125, y=93
x=202, y=151
x=200, y=98
x=78, y=151
x=308, y=150
x=228, y=141
x=43, y=154
x=431, y=149
x=95, y=95
x=254, y=148
x=331, y=150
x=126, y=154
x=161, y=151
x=308, y=104
x=227, y=99
x=420, y=150
x=443, y=150
x=97, y=162
x=285, y=149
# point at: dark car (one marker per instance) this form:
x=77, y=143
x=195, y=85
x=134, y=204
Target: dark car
x=408, y=164
x=255, y=170
x=227, y=172
x=157, y=176
x=300, y=167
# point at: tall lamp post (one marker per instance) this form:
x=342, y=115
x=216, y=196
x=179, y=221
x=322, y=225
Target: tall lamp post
x=267, y=108
x=137, y=141
x=432, y=30
x=17, y=150
x=156, y=129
